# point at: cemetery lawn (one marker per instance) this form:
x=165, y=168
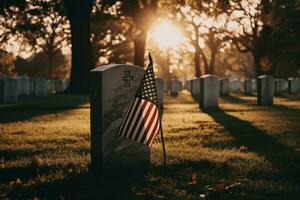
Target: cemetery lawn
x=240, y=151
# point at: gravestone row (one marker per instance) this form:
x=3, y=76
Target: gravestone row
x=204, y=88
x=12, y=88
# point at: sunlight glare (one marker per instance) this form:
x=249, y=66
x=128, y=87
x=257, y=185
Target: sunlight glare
x=167, y=35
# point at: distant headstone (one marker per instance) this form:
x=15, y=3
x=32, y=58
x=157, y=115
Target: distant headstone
x=254, y=85
x=166, y=86
x=235, y=85
x=40, y=87
x=224, y=87
x=265, y=90
x=175, y=87
x=60, y=85
x=23, y=86
x=285, y=85
x=188, y=85
x=160, y=85
x=279, y=86
x=113, y=87
x=51, y=86
x=209, y=91
x=293, y=87
x=196, y=87
x=8, y=90
x=248, y=86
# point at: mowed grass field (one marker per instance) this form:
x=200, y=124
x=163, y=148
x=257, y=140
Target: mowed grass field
x=239, y=151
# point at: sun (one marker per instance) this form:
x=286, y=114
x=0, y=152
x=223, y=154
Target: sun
x=167, y=35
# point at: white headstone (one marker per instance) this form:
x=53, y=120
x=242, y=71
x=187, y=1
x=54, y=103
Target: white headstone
x=196, y=87
x=248, y=86
x=166, y=85
x=293, y=85
x=51, y=86
x=8, y=90
x=254, y=85
x=278, y=86
x=188, y=85
x=209, y=91
x=40, y=87
x=224, y=87
x=60, y=85
x=265, y=90
x=175, y=87
x=235, y=85
x=23, y=86
x=112, y=89
x=285, y=85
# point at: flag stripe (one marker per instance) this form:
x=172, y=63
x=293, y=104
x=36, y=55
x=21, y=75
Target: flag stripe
x=147, y=121
x=148, y=126
x=131, y=111
x=151, y=132
x=144, y=120
x=133, y=118
x=139, y=118
x=126, y=115
x=154, y=133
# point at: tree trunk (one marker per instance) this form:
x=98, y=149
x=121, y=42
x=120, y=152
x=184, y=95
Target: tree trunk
x=50, y=65
x=197, y=63
x=257, y=66
x=82, y=54
x=206, y=67
x=139, y=51
x=211, y=68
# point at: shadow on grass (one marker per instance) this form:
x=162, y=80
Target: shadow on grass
x=81, y=186
x=258, y=141
x=32, y=107
x=235, y=99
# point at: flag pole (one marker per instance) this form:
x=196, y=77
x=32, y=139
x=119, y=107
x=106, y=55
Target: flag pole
x=163, y=141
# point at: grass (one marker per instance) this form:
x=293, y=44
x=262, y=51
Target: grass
x=239, y=151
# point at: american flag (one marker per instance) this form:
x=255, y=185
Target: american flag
x=142, y=122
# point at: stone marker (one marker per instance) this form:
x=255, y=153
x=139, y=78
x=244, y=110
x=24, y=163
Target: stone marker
x=8, y=90
x=278, y=86
x=23, y=86
x=196, y=87
x=40, y=87
x=265, y=90
x=224, y=86
x=51, y=86
x=235, y=85
x=166, y=85
x=113, y=87
x=160, y=85
x=175, y=87
x=285, y=85
x=254, y=85
x=248, y=86
x=209, y=91
x=188, y=85
x=293, y=86
x=60, y=85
